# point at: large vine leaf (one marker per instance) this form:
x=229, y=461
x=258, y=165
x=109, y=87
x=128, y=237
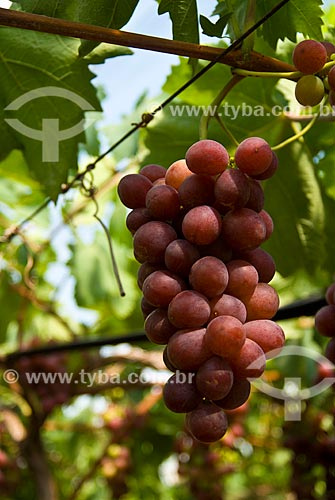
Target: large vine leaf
x=30, y=62
x=184, y=17
x=297, y=16
x=108, y=13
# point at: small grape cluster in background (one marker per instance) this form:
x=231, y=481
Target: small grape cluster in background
x=197, y=229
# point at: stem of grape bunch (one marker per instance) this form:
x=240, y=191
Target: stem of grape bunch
x=206, y=117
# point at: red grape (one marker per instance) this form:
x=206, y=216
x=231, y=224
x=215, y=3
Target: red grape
x=189, y=309
x=153, y=172
x=232, y=188
x=238, y=395
x=225, y=336
x=262, y=261
x=209, y=276
x=325, y=320
x=253, y=156
x=243, y=229
x=177, y=173
x=180, y=255
x=132, y=190
x=227, y=305
x=158, y=327
x=207, y=423
x=151, y=240
x=202, y=225
x=214, y=378
x=263, y=303
x=136, y=218
x=163, y=202
x=160, y=287
x=243, y=278
x=196, y=190
x=187, y=350
x=309, y=56
x=256, y=198
x=250, y=361
x=330, y=294
x=180, y=393
x=266, y=333
x=207, y=157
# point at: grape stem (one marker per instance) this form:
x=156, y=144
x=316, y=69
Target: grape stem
x=296, y=136
x=204, y=122
x=290, y=75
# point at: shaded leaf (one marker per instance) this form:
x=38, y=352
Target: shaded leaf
x=184, y=17
x=214, y=29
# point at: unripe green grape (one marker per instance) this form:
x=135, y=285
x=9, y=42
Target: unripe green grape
x=309, y=56
x=309, y=90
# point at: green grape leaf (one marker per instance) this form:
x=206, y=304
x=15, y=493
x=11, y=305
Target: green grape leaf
x=297, y=16
x=214, y=29
x=108, y=13
x=37, y=62
x=184, y=17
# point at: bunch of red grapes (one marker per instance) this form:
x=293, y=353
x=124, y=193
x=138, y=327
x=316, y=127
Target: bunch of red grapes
x=49, y=388
x=309, y=57
x=197, y=229
x=325, y=321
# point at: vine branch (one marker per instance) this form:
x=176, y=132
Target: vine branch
x=45, y=24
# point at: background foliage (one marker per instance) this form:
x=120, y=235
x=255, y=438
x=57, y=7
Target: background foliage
x=56, y=279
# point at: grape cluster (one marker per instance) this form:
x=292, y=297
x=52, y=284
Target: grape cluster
x=45, y=394
x=309, y=57
x=325, y=321
x=197, y=229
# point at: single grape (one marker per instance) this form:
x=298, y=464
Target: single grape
x=243, y=229
x=309, y=56
x=262, y=261
x=207, y=423
x=136, y=218
x=187, y=350
x=214, y=378
x=207, y=157
x=330, y=294
x=180, y=394
x=232, y=188
x=325, y=320
x=237, y=396
x=263, y=303
x=253, y=156
x=227, y=305
x=153, y=172
x=158, y=327
x=160, y=287
x=256, y=198
x=225, y=336
x=270, y=171
x=267, y=334
x=177, y=173
x=250, y=361
x=163, y=202
x=189, y=309
x=132, y=190
x=331, y=78
x=209, y=276
x=151, y=240
x=144, y=270
x=243, y=278
x=196, y=190
x=180, y=255
x=309, y=90
x=202, y=225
